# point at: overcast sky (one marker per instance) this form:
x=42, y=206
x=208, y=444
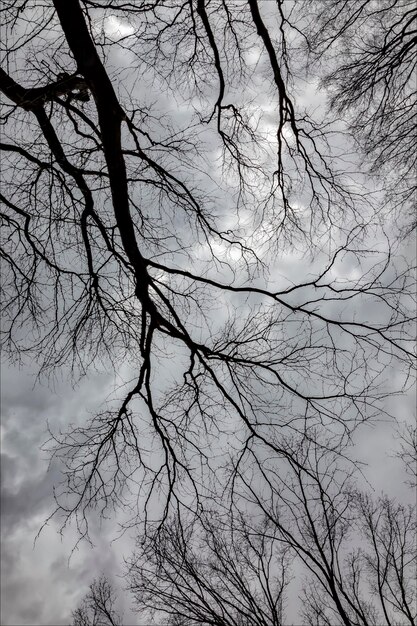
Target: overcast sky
x=45, y=576
x=43, y=580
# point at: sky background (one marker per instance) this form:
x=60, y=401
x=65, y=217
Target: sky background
x=43, y=579
x=45, y=576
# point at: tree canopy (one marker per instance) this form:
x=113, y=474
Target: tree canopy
x=212, y=199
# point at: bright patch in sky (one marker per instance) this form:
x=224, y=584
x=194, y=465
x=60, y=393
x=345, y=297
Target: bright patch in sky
x=116, y=29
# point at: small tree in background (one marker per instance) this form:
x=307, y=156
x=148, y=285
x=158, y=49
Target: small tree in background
x=97, y=608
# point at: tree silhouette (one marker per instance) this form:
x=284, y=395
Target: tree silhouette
x=235, y=566
x=162, y=239
x=97, y=608
x=211, y=572
x=371, y=54
x=358, y=550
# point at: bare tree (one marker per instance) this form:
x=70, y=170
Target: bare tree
x=359, y=551
x=370, y=52
x=408, y=452
x=378, y=580
x=130, y=237
x=355, y=553
x=211, y=571
x=97, y=608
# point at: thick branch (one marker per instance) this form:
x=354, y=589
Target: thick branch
x=110, y=115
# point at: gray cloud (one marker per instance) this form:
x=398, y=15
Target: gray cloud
x=43, y=581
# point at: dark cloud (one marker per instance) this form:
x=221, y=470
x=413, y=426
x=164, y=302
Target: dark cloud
x=43, y=579
x=31, y=498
